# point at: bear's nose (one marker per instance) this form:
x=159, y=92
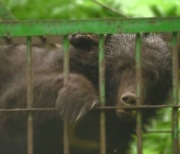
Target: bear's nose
x=128, y=98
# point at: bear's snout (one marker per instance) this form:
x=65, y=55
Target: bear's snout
x=128, y=98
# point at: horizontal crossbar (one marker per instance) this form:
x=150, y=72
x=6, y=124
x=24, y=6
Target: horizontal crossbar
x=96, y=26
x=100, y=108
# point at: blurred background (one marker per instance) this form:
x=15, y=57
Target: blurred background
x=82, y=9
x=154, y=143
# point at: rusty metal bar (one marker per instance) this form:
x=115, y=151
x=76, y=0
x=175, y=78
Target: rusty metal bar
x=138, y=93
x=102, y=94
x=98, y=108
x=29, y=97
x=137, y=107
x=159, y=131
x=175, y=114
x=66, y=74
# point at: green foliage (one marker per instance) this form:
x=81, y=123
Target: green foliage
x=55, y=9
x=146, y=8
x=157, y=143
x=81, y=9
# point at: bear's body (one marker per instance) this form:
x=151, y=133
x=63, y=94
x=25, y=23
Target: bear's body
x=80, y=94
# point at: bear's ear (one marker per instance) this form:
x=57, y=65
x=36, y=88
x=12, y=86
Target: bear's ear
x=84, y=42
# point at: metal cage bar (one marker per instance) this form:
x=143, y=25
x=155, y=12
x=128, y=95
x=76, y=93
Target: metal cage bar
x=175, y=118
x=107, y=26
x=138, y=93
x=102, y=94
x=141, y=25
x=66, y=74
x=29, y=97
x=98, y=108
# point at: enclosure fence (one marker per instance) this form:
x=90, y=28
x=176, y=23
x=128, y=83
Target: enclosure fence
x=138, y=26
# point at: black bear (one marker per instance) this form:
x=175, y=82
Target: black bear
x=80, y=94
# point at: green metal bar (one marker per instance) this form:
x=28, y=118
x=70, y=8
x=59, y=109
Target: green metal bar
x=66, y=74
x=102, y=94
x=29, y=97
x=66, y=59
x=5, y=14
x=138, y=93
x=175, y=115
x=108, y=26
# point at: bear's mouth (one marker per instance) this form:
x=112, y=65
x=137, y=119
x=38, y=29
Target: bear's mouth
x=130, y=113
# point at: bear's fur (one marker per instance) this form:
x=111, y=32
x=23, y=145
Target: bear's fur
x=80, y=94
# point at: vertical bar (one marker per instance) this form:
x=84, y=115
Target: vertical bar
x=66, y=73
x=139, y=93
x=29, y=97
x=175, y=121
x=102, y=94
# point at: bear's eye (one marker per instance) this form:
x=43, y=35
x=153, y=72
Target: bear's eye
x=152, y=75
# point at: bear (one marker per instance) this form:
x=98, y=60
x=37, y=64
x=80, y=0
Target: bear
x=120, y=66
x=121, y=81
x=76, y=99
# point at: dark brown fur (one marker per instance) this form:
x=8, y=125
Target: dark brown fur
x=80, y=94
